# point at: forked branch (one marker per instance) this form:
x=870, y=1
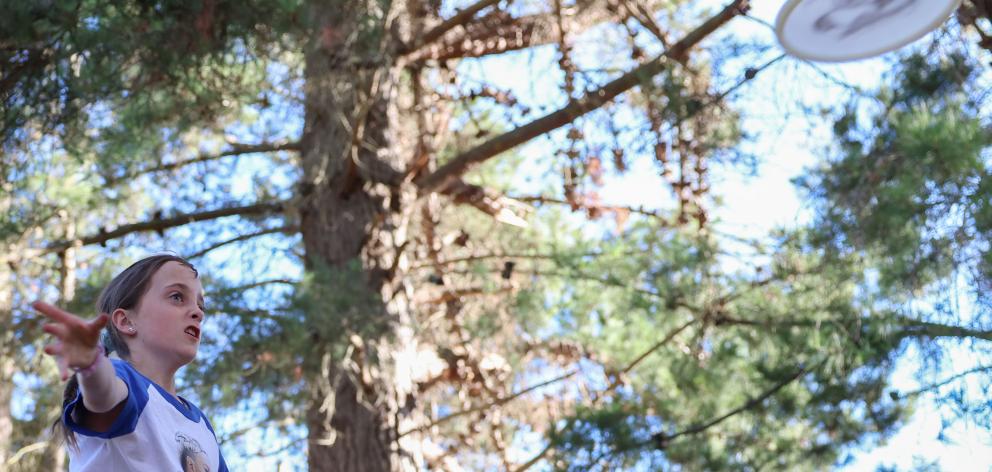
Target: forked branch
x=462, y=163
x=499, y=32
x=459, y=19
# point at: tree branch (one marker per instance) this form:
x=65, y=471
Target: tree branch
x=459, y=19
x=643, y=16
x=575, y=108
x=511, y=255
x=499, y=32
x=533, y=460
x=30, y=448
x=259, y=283
x=459, y=293
x=503, y=209
x=497, y=402
x=243, y=237
x=661, y=440
x=935, y=386
x=673, y=301
x=235, y=150
x=640, y=210
x=160, y=224
x=671, y=335
x=926, y=329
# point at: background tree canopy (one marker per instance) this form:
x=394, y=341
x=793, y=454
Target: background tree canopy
x=409, y=264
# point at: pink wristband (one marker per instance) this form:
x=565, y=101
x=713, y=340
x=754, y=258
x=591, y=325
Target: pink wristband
x=85, y=371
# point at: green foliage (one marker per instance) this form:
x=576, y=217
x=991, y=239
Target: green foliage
x=614, y=433
x=679, y=363
x=254, y=363
x=910, y=184
x=174, y=61
x=907, y=191
x=276, y=335
x=336, y=304
x=746, y=334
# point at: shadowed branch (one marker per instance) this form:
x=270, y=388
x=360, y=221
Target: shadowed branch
x=155, y=224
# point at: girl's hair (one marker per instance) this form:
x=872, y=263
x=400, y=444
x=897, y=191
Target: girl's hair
x=124, y=292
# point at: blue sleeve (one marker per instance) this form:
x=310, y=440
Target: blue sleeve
x=137, y=398
x=220, y=454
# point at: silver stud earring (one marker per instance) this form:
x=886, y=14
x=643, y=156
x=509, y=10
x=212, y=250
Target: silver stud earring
x=132, y=330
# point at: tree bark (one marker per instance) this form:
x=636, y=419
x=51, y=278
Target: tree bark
x=352, y=225
x=360, y=117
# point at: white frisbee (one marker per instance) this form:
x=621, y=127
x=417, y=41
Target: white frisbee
x=847, y=30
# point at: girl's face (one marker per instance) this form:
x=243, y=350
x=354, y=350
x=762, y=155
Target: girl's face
x=168, y=317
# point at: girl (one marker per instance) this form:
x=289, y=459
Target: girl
x=124, y=414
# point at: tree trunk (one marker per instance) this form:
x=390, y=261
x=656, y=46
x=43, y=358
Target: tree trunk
x=54, y=457
x=6, y=365
x=353, y=225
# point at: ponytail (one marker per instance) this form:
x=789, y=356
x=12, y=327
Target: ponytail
x=59, y=429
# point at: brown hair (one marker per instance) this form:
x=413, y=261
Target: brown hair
x=123, y=292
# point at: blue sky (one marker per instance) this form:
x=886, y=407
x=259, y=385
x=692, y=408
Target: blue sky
x=788, y=143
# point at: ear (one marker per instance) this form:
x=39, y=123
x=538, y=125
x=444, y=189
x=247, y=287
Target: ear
x=121, y=321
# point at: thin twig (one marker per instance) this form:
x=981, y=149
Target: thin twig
x=541, y=199
x=259, y=283
x=511, y=255
x=236, y=149
x=931, y=387
x=497, y=402
x=243, y=237
x=643, y=16
x=533, y=460
x=671, y=335
x=662, y=440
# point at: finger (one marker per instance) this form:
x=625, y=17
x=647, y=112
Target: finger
x=55, y=313
x=58, y=330
x=54, y=349
x=97, y=324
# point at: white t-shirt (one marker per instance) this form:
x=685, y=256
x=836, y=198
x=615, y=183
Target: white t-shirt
x=154, y=431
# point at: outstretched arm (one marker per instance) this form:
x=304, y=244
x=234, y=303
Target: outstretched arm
x=77, y=348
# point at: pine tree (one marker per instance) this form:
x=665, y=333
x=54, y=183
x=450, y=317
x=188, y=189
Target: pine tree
x=907, y=189
x=437, y=308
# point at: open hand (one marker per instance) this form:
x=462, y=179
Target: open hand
x=77, y=343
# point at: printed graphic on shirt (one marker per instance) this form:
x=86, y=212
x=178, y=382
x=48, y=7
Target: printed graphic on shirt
x=191, y=456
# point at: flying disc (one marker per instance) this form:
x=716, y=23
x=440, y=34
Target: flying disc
x=848, y=30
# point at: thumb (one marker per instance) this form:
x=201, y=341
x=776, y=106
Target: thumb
x=98, y=323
